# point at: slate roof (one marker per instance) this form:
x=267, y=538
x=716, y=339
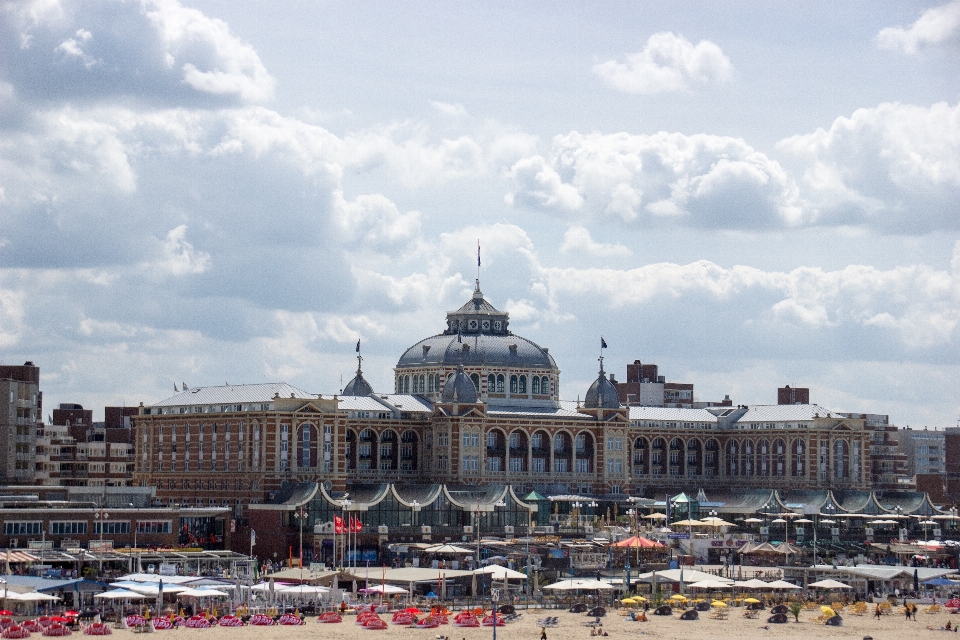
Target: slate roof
x=233, y=394
x=787, y=413
x=672, y=414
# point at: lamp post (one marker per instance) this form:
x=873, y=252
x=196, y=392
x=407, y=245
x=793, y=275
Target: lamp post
x=345, y=507
x=576, y=514
x=899, y=511
x=713, y=515
x=101, y=517
x=301, y=514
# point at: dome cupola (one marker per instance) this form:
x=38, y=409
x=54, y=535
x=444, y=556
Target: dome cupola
x=602, y=394
x=459, y=388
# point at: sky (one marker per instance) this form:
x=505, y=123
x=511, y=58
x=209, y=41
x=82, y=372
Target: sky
x=747, y=194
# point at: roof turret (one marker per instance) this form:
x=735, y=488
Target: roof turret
x=459, y=388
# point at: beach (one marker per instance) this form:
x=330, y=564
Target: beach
x=571, y=627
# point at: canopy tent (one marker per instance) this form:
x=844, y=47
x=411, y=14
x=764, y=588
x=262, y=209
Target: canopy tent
x=301, y=590
x=120, y=594
x=30, y=596
x=687, y=523
x=573, y=584
x=638, y=542
x=387, y=589
x=656, y=516
x=675, y=575
x=446, y=548
x=497, y=572
x=202, y=593
x=940, y=582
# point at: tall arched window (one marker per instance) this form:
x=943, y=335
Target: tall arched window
x=500, y=383
x=475, y=379
x=491, y=383
x=513, y=384
x=523, y=384
x=535, y=385
x=406, y=384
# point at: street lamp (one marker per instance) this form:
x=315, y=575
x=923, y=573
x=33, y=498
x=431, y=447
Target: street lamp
x=713, y=514
x=576, y=513
x=101, y=517
x=345, y=508
x=301, y=514
x=900, y=530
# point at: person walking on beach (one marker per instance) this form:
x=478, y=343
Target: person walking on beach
x=543, y=633
x=877, y=613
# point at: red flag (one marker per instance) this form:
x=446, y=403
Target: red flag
x=338, y=526
x=355, y=525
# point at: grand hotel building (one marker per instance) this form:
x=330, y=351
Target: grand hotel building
x=477, y=406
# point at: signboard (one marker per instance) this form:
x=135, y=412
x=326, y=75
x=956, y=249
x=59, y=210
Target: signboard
x=100, y=545
x=679, y=536
x=39, y=544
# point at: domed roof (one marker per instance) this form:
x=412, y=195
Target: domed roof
x=602, y=394
x=459, y=388
x=358, y=386
x=478, y=349
x=477, y=335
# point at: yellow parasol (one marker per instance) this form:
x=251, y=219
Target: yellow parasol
x=628, y=601
x=678, y=597
x=751, y=600
x=719, y=604
x=827, y=611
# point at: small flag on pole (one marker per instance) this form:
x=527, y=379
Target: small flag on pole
x=358, y=345
x=603, y=343
x=478, y=253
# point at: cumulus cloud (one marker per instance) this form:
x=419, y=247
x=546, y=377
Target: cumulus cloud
x=372, y=219
x=577, y=240
x=918, y=303
x=894, y=167
x=180, y=257
x=213, y=59
x=934, y=27
x=700, y=180
x=156, y=51
x=668, y=63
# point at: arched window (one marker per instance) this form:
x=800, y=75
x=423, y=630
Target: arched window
x=491, y=383
x=406, y=384
x=436, y=382
x=841, y=460
x=500, y=383
x=513, y=384
x=399, y=384
x=475, y=378
x=535, y=385
x=423, y=383
x=523, y=384
x=416, y=386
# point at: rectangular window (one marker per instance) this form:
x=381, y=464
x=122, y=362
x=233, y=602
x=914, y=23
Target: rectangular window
x=68, y=528
x=493, y=464
x=31, y=528
x=516, y=465
x=466, y=439
x=582, y=465
x=475, y=439
x=539, y=465
x=115, y=527
x=560, y=465
x=442, y=463
x=537, y=441
x=153, y=526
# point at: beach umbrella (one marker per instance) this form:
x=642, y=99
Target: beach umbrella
x=781, y=584
x=714, y=521
x=753, y=520
x=711, y=584
x=687, y=523
x=827, y=611
x=678, y=597
x=497, y=572
x=830, y=584
x=628, y=601
x=752, y=583
x=718, y=604
x=751, y=600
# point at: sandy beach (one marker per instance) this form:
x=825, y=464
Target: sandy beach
x=571, y=627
